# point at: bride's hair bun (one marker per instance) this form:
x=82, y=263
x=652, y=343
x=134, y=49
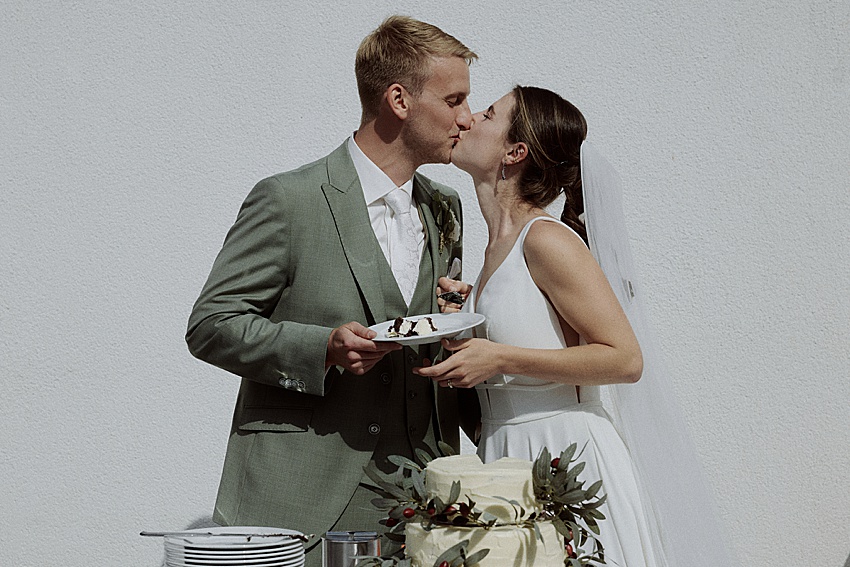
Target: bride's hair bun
x=553, y=129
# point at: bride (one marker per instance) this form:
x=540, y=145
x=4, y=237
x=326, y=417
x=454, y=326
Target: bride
x=556, y=331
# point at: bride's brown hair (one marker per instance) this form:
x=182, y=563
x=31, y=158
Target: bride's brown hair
x=553, y=130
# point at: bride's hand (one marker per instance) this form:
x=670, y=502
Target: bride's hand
x=445, y=285
x=473, y=361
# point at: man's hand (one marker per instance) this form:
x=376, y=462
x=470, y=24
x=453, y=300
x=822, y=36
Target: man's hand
x=445, y=284
x=351, y=346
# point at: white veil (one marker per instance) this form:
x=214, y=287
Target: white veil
x=646, y=413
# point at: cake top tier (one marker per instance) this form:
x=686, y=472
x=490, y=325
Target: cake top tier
x=489, y=486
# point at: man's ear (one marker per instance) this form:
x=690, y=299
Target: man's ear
x=398, y=99
x=516, y=153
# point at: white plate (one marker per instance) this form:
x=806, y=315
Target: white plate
x=172, y=562
x=272, y=551
x=448, y=325
x=290, y=563
x=237, y=542
x=248, y=556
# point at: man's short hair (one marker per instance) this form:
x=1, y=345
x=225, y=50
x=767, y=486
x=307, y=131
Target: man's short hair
x=399, y=51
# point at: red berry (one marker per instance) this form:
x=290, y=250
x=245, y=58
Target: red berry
x=391, y=522
x=408, y=512
x=450, y=510
x=432, y=511
x=570, y=551
x=555, y=462
x=464, y=509
x=444, y=564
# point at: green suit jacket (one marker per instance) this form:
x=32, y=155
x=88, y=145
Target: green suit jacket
x=301, y=259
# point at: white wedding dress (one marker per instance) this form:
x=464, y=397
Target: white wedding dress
x=522, y=415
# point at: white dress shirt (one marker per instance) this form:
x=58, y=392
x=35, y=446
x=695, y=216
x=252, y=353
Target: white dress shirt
x=376, y=184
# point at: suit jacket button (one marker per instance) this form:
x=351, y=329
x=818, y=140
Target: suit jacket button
x=374, y=429
x=386, y=378
x=412, y=359
x=411, y=394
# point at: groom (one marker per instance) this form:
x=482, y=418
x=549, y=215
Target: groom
x=315, y=256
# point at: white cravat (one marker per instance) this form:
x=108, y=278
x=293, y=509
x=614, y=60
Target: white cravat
x=376, y=185
x=403, y=232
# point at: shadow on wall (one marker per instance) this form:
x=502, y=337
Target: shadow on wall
x=847, y=563
x=202, y=522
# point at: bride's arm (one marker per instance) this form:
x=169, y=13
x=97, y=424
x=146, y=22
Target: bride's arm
x=564, y=269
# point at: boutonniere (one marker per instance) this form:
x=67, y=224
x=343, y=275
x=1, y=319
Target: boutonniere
x=447, y=222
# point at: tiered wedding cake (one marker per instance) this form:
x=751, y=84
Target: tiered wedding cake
x=502, y=489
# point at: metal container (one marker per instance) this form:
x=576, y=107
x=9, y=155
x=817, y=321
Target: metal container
x=340, y=548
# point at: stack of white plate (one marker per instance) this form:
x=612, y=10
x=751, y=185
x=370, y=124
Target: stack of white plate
x=247, y=547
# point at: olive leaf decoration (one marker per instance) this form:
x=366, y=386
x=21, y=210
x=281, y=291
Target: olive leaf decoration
x=403, y=497
x=446, y=449
x=372, y=561
x=573, y=509
x=456, y=556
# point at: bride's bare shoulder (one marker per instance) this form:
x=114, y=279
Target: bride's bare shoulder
x=546, y=239
x=559, y=261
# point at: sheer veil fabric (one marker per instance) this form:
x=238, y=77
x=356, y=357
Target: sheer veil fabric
x=646, y=414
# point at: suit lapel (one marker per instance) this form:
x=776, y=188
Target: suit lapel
x=422, y=192
x=365, y=259
x=445, y=400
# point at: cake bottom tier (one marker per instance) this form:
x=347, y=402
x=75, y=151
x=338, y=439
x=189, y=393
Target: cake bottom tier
x=510, y=546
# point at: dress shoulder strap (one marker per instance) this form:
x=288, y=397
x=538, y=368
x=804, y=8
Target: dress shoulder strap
x=527, y=227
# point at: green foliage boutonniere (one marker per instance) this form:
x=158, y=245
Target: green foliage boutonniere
x=447, y=223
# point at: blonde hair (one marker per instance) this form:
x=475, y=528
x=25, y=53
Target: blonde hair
x=399, y=51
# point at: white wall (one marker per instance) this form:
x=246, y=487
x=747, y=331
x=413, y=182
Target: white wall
x=130, y=135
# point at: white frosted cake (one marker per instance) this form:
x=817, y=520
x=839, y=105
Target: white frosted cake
x=488, y=485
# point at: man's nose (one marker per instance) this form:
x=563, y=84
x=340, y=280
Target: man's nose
x=464, y=117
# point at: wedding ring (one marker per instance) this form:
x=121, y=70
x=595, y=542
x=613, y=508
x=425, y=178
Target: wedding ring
x=449, y=383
